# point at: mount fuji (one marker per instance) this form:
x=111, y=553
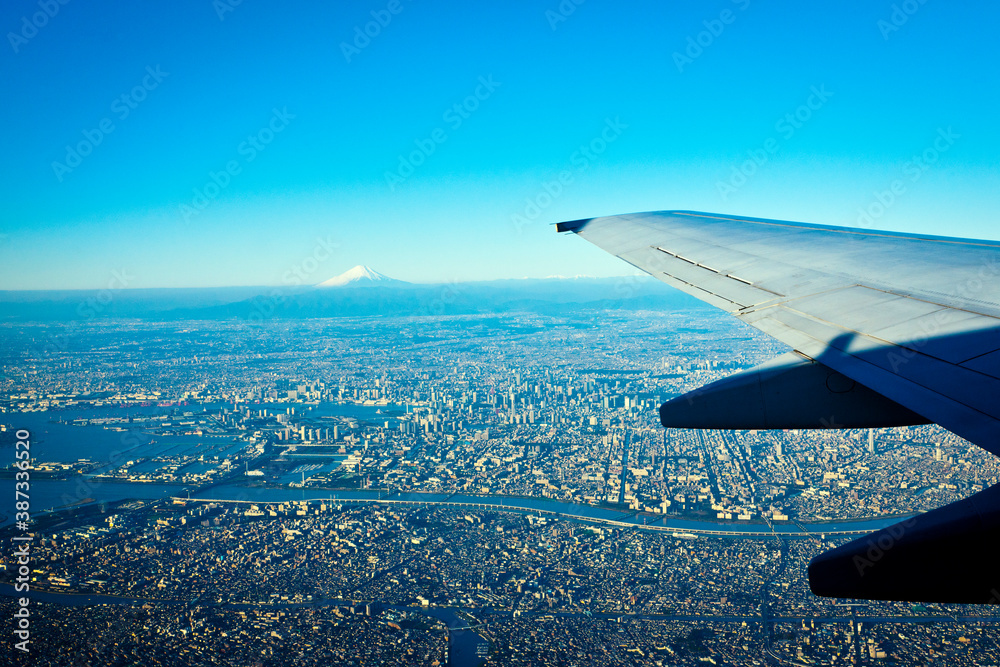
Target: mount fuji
x=362, y=276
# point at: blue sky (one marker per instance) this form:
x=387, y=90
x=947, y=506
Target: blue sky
x=201, y=143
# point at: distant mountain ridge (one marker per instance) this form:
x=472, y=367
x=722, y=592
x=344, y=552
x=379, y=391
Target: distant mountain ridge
x=376, y=297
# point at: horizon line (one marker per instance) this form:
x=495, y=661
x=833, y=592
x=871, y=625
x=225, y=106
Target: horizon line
x=316, y=285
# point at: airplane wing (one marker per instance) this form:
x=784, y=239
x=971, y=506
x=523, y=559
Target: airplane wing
x=886, y=328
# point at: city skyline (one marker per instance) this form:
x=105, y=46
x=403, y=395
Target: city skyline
x=221, y=144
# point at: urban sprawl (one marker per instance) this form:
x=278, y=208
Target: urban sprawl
x=448, y=490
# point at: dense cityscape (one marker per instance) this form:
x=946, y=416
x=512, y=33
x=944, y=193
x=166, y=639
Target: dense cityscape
x=448, y=490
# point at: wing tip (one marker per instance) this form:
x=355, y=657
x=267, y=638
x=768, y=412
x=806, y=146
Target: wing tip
x=572, y=225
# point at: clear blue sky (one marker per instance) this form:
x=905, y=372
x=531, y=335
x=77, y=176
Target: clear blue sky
x=202, y=82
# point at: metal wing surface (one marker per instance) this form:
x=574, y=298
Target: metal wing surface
x=913, y=318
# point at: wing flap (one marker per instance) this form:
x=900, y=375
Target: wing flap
x=739, y=292
x=699, y=280
x=945, y=555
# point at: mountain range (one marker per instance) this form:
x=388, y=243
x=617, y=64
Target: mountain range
x=359, y=292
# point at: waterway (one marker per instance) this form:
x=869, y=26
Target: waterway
x=54, y=439
x=565, y=510
x=48, y=494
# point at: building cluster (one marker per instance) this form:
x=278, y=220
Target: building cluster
x=306, y=581
x=558, y=408
x=524, y=405
x=157, y=633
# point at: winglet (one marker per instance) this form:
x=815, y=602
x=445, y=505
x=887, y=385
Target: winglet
x=572, y=225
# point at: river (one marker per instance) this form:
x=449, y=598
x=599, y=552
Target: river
x=47, y=494
x=565, y=510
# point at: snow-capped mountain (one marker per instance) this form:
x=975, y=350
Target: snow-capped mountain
x=360, y=276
